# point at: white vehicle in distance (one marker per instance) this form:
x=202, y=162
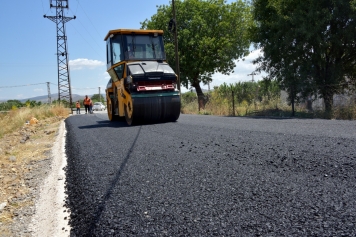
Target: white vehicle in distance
x=99, y=106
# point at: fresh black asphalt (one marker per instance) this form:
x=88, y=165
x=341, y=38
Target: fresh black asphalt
x=211, y=176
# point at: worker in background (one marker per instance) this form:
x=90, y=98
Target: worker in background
x=91, y=106
x=78, y=107
x=86, y=103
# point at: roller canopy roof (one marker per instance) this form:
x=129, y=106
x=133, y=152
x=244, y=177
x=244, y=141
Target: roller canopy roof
x=130, y=31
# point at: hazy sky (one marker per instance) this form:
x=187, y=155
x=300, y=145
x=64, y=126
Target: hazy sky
x=28, y=45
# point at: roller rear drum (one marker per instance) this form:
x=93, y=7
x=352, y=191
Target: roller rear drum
x=153, y=109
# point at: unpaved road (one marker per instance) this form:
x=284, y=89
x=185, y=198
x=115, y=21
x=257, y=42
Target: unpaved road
x=211, y=176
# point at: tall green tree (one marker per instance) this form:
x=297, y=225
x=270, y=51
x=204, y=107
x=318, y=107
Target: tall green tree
x=309, y=46
x=98, y=97
x=211, y=36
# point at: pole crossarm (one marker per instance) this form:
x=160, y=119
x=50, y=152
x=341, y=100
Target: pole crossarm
x=55, y=18
x=252, y=74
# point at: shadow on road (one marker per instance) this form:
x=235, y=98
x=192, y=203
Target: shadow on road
x=117, y=124
x=269, y=117
x=113, y=182
x=105, y=124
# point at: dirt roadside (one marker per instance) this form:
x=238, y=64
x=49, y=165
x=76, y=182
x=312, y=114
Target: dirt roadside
x=32, y=180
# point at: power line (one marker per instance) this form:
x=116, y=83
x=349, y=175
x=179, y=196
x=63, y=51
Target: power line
x=25, y=85
x=25, y=65
x=76, y=8
x=88, y=32
x=88, y=18
x=42, y=7
x=76, y=88
x=85, y=39
x=42, y=83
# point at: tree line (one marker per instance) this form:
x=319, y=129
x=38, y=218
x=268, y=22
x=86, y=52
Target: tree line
x=15, y=104
x=308, y=46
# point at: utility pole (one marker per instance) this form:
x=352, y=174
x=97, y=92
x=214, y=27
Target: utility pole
x=49, y=94
x=176, y=44
x=99, y=95
x=252, y=74
x=64, y=88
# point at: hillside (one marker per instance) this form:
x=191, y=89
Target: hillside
x=44, y=98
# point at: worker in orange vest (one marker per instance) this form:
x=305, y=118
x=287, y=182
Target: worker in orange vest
x=86, y=103
x=78, y=107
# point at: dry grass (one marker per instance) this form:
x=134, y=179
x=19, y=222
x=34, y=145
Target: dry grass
x=223, y=107
x=16, y=118
x=346, y=112
x=19, y=158
x=189, y=108
x=276, y=108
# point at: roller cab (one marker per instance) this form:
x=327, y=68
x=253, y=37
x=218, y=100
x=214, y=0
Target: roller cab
x=142, y=87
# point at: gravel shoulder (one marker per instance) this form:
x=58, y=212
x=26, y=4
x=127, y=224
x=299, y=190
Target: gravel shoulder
x=32, y=177
x=50, y=218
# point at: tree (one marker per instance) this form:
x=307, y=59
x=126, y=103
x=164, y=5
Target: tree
x=14, y=103
x=211, y=35
x=33, y=103
x=98, y=98
x=308, y=46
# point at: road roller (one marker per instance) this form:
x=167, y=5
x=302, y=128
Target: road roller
x=142, y=86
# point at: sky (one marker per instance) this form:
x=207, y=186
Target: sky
x=28, y=45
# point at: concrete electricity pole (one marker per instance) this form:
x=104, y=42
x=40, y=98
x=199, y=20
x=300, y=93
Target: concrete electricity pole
x=64, y=88
x=99, y=95
x=49, y=94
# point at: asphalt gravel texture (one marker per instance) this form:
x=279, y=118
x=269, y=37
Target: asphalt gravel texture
x=211, y=176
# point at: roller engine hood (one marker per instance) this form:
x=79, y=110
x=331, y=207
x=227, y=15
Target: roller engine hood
x=151, y=70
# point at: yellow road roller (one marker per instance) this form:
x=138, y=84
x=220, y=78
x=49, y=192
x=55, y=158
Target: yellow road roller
x=142, y=87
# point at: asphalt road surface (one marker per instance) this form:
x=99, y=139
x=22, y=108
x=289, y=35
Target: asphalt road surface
x=211, y=176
